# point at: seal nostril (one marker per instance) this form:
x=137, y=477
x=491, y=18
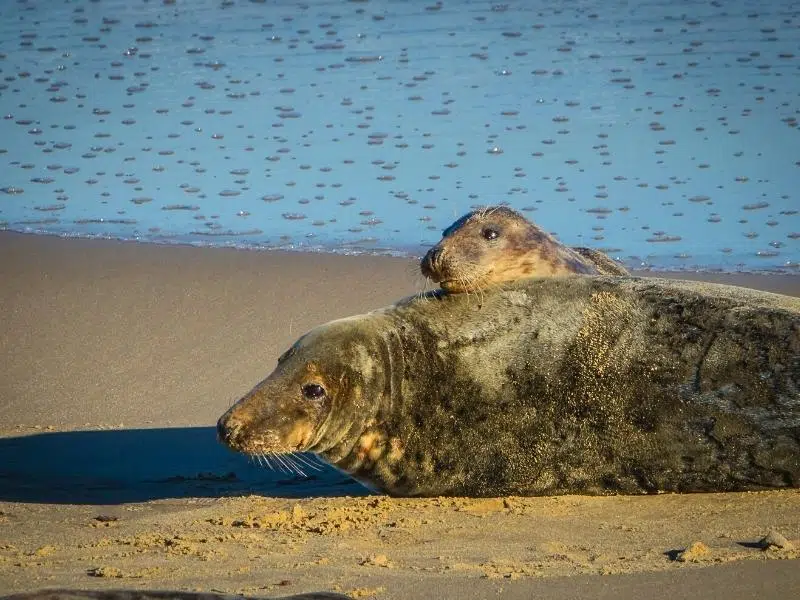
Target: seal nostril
x=430, y=262
x=224, y=434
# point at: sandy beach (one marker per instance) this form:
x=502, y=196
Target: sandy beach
x=118, y=358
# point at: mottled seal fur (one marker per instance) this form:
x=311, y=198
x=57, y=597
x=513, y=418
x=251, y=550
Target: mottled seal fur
x=555, y=385
x=497, y=244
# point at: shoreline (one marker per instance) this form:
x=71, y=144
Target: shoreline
x=118, y=359
x=407, y=252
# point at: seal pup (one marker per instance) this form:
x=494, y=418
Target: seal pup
x=567, y=385
x=497, y=244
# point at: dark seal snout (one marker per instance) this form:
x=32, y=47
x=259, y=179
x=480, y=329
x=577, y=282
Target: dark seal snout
x=430, y=265
x=229, y=429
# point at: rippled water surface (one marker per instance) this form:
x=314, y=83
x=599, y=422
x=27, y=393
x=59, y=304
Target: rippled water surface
x=663, y=133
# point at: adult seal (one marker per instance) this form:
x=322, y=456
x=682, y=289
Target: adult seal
x=569, y=385
x=497, y=244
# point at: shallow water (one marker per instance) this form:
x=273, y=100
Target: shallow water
x=663, y=133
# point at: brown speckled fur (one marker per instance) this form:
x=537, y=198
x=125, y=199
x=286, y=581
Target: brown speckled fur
x=559, y=385
x=464, y=261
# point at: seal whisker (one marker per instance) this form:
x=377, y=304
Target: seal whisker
x=426, y=282
x=422, y=281
x=470, y=282
x=488, y=211
x=279, y=461
x=291, y=464
x=261, y=459
x=420, y=293
x=269, y=464
x=304, y=460
x=287, y=460
x=425, y=295
x=412, y=268
x=467, y=285
x=272, y=456
x=281, y=458
x=290, y=458
x=314, y=457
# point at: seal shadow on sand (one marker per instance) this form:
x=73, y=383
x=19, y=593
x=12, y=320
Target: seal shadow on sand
x=138, y=465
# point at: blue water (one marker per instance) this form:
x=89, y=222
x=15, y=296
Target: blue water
x=663, y=133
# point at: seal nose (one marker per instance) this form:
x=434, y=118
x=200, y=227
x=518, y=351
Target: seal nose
x=222, y=430
x=428, y=263
x=227, y=429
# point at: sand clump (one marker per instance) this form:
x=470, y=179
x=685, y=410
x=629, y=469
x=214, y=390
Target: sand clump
x=326, y=519
x=117, y=573
x=47, y=550
x=377, y=560
x=694, y=552
x=365, y=592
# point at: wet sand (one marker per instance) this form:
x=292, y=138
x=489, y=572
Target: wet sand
x=118, y=359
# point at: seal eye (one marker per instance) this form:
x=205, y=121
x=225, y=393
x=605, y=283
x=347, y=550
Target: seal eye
x=313, y=391
x=489, y=233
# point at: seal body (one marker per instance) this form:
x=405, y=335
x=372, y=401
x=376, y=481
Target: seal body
x=601, y=262
x=579, y=385
x=497, y=244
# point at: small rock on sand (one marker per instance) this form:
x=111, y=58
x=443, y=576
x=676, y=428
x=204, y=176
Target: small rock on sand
x=775, y=541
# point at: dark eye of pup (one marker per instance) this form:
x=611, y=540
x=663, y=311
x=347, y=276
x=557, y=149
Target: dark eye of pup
x=490, y=233
x=313, y=391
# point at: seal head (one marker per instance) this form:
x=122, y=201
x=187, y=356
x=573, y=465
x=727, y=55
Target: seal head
x=315, y=400
x=495, y=245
